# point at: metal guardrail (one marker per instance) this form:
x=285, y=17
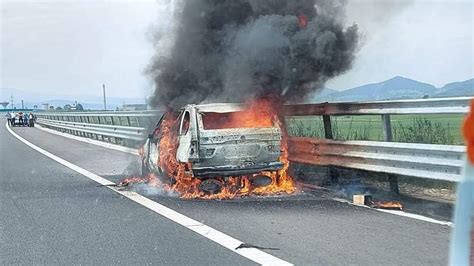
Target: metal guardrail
x=455, y=105
x=149, y=113
x=441, y=162
x=124, y=128
x=122, y=132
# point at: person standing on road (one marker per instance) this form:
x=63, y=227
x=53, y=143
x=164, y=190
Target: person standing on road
x=8, y=115
x=25, y=120
x=20, y=118
x=13, y=119
x=31, y=119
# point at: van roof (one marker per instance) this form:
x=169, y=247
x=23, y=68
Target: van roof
x=218, y=107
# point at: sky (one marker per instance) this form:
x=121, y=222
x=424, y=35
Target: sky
x=429, y=41
x=69, y=48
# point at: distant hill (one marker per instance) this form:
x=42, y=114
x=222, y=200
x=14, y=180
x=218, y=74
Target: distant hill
x=32, y=98
x=463, y=88
x=392, y=89
x=398, y=88
x=325, y=91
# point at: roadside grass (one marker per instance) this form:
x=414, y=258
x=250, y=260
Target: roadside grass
x=431, y=129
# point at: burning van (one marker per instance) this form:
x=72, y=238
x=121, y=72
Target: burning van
x=218, y=148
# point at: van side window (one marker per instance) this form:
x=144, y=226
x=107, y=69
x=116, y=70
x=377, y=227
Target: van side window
x=185, y=123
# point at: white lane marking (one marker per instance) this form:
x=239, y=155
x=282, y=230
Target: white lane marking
x=400, y=213
x=132, y=151
x=210, y=233
x=418, y=217
x=90, y=141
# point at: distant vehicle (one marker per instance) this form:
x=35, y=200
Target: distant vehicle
x=17, y=119
x=217, y=149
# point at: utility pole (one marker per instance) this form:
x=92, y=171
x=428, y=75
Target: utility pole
x=105, y=100
x=11, y=100
x=22, y=105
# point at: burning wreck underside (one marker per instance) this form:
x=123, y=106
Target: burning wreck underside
x=233, y=151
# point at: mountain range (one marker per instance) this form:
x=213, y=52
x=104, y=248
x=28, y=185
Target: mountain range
x=392, y=89
x=396, y=88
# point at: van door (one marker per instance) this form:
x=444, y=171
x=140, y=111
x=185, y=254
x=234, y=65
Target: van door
x=153, y=145
x=184, y=139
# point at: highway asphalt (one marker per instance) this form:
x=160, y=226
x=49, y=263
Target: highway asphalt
x=53, y=215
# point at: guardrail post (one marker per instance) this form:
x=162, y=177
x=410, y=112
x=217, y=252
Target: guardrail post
x=82, y=134
x=388, y=136
x=328, y=135
x=87, y=120
x=91, y=120
x=128, y=123
x=100, y=136
x=327, y=127
x=112, y=139
x=387, y=128
x=67, y=118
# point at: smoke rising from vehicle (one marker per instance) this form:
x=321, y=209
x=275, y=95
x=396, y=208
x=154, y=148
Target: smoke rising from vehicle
x=233, y=50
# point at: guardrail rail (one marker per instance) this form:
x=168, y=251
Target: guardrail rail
x=128, y=128
x=440, y=162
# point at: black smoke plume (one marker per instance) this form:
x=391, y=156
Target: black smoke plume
x=232, y=50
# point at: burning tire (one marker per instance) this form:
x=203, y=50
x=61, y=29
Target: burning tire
x=261, y=181
x=211, y=186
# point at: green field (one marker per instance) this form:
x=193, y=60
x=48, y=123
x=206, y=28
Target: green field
x=433, y=129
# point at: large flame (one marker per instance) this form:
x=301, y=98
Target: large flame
x=178, y=177
x=387, y=205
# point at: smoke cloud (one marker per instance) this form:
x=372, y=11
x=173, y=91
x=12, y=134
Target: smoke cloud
x=233, y=50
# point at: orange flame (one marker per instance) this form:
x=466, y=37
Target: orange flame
x=302, y=21
x=151, y=179
x=469, y=133
x=387, y=205
x=260, y=113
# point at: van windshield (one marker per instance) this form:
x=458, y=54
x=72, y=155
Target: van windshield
x=240, y=119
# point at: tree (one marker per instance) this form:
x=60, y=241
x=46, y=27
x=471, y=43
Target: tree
x=79, y=107
x=59, y=108
x=67, y=107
